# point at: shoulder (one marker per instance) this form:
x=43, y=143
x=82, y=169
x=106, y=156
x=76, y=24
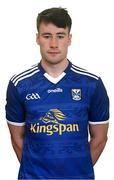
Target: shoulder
x=83, y=73
x=25, y=75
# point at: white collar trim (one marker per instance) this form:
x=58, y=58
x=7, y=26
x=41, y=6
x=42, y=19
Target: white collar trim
x=54, y=80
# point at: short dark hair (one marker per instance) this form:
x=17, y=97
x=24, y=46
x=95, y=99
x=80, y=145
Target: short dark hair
x=57, y=16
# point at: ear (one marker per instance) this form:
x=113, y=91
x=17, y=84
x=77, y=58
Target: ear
x=70, y=38
x=37, y=38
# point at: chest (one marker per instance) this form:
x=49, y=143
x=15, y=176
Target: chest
x=64, y=99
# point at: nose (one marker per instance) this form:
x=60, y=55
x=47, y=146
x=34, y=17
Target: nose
x=53, y=42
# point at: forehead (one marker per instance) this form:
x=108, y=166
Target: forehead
x=51, y=28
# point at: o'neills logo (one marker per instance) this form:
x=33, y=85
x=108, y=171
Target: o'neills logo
x=57, y=90
x=53, y=124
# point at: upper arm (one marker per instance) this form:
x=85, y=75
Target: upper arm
x=15, y=112
x=99, y=113
x=17, y=132
x=99, y=131
x=99, y=106
x=98, y=139
x=17, y=138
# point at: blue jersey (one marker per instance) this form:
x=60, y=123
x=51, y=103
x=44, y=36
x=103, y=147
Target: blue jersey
x=56, y=113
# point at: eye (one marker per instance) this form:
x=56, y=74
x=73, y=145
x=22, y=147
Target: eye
x=46, y=36
x=60, y=36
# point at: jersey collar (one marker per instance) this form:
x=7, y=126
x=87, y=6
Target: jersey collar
x=43, y=70
x=50, y=78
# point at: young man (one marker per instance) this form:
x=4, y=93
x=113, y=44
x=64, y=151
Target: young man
x=52, y=106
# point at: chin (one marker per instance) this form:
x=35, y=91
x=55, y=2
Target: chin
x=54, y=61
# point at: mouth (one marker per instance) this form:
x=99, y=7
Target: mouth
x=53, y=52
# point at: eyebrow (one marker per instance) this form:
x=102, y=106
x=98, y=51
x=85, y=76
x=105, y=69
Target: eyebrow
x=59, y=33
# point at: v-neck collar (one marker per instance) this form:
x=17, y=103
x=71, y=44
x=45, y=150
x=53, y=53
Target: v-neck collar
x=52, y=79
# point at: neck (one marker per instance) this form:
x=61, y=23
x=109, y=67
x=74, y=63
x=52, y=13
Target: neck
x=54, y=70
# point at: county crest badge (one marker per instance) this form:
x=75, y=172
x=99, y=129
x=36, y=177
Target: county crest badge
x=76, y=94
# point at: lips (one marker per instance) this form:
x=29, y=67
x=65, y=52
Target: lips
x=53, y=52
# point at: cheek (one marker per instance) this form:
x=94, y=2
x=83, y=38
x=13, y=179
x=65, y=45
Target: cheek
x=43, y=48
x=64, y=45
x=42, y=44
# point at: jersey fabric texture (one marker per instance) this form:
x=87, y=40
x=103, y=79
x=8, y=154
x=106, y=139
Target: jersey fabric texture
x=56, y=113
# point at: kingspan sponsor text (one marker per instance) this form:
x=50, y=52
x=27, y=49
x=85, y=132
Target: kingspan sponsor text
x=56, y=128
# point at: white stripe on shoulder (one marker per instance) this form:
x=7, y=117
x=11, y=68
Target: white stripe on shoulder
x=14, y=78
x=26, y=76
x=23, y=72
x=85, y=73
x=100, y=122
x=78, y=68
x=16, y=123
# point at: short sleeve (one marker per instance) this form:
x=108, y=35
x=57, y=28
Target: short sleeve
x=14, y=107
x=99, y=106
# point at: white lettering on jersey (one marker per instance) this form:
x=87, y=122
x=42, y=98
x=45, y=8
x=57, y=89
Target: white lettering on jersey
x=57, y=90
x=32, y=96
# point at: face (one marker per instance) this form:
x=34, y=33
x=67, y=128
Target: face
x=53, y=42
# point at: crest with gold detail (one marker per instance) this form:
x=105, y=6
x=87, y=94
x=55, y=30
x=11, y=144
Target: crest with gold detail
x=76, y=94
